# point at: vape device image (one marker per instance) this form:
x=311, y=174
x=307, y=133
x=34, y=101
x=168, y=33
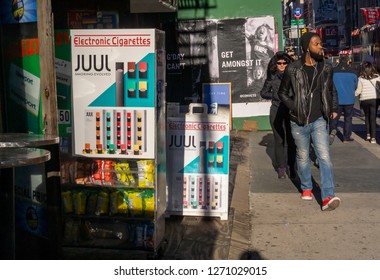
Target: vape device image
x=123, y=149
x=219, y=161
x=119, y=84
x=111, y=149
x=219, y=147
x=87, y=148
x=131, y=89
x=136, y=150
x=143, y=70
x=210, y=161
x=143, y=89
x=131, y=70
x=211, y=148
x=202, y=155
x=99, y=148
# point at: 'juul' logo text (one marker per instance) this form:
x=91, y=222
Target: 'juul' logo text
x=182, y=141
x=92, y=62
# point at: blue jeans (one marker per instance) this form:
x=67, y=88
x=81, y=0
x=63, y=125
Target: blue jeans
x=318, y=132
x=348, y=111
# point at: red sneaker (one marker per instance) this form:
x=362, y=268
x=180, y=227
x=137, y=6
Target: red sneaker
x=330, y=203
x=307, y=195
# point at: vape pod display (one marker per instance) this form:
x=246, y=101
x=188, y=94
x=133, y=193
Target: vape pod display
x=93, y=131
x=131, y=70
x=201, y=195
x=184, y=193
x=109, y=131
x=219, y=147
x=219, y=161
x=210, y=160
x=115, y=132
x=211, y=148
x=143, y=89
x=98, y=132
x=193, y=199
x=131, y=89
x=208, y=192
x=215, y=198
x=119, y=116
x=195, y=196
x=140, y=138
x=143, y=70
x=129, y=130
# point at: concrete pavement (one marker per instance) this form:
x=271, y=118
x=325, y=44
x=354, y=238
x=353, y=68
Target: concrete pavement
x=287, y=228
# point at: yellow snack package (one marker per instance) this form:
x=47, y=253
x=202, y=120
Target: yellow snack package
x=118, y=203
x=135, y=204
x=148, y=202
x=102, y=205
x=67, y=202
x=145, y=173
x=79, y=202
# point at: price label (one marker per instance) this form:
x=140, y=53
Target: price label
x=64, y=116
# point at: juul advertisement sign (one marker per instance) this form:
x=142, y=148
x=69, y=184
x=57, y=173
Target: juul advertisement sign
x=113, y=87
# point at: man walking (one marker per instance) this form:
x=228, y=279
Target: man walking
x=346, y=81
x=308, y=91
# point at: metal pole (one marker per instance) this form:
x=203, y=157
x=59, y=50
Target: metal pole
x=298, y=38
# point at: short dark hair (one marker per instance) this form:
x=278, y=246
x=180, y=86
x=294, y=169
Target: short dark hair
x=345, y=59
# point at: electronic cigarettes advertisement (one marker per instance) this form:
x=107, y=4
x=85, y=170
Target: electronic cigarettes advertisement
x=113, y=88
x=198, y=162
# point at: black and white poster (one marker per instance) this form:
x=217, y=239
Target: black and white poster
x=235, y=51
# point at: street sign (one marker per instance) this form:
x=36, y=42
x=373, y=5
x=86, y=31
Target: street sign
x=294, y=21
x=297, y=13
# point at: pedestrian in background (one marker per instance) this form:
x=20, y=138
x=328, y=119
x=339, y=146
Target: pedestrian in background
x=284, y=147
x=346, y=81
x=308, y=91
x=369, y=96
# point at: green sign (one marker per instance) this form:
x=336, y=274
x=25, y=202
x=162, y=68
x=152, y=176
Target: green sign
x=294, y=21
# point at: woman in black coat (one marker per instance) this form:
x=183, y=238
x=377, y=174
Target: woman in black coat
x=284, y=147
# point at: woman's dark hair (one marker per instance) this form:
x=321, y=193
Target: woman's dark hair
x=368, y=71
x=272, y=65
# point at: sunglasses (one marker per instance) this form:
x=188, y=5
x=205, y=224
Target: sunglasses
x=282, y=63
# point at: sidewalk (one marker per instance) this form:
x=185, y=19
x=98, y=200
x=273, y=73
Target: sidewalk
x=285, y=227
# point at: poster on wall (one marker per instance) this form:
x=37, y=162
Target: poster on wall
x=22, y=84
x=235, y=51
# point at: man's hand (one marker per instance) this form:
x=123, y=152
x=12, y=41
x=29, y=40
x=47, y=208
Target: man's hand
x=333, y=115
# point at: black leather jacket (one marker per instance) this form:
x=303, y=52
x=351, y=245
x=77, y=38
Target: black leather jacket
x=294, y=87
x=270, y=89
